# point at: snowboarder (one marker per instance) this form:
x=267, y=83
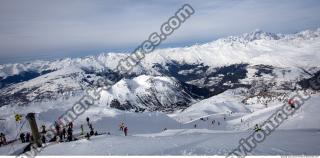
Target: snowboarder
x=22, y=138
x=28, y=137
x=125, y=130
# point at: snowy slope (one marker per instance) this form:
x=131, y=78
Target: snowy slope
x=298, y=135
x=190, y=142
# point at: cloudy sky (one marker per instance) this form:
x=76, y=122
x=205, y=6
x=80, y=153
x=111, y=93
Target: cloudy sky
x=43, y=29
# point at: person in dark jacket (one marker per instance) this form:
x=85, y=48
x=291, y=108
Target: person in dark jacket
x=43, y=131
x=88, y=136
x=22, y=138
x=91, y=129
x=257, y=128
x=57, y=126
x=69, y=134
x=88, y=121
x=125, y=130
x=64, y=133
x=70, y=125
x=43, y=139
x=3, y=139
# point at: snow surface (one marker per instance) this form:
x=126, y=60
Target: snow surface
x=191, y=142
x=300, y=134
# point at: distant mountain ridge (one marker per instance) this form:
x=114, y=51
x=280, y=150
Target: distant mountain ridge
x=169, y=79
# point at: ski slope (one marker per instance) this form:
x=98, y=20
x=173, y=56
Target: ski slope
x=300, y=134
x=190, y=142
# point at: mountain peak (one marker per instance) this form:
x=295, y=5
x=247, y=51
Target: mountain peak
x=257, y=34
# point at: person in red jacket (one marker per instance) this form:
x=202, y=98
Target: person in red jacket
x=291, y=103
x=125, y=130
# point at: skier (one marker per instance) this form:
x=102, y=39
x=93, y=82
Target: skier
x=195, y=126
x=82, y=131
x=88, y=121
x=70, y=125
x=43, y=139
x=3, y=139
x=69, y=134
x=22, y=138
x=291, y=103
x=121, y=126
x=88, y=136
x=213, y=122
x=28, y=137
x=57, y=128
x=44, y=131
x=61, y=136
x=218, y=123
x=91, y=129
x=125, y=130
x=64, y=133
x=257, y=128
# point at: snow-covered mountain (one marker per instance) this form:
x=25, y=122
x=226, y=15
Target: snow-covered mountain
x=222, y=88
x=173, y=78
